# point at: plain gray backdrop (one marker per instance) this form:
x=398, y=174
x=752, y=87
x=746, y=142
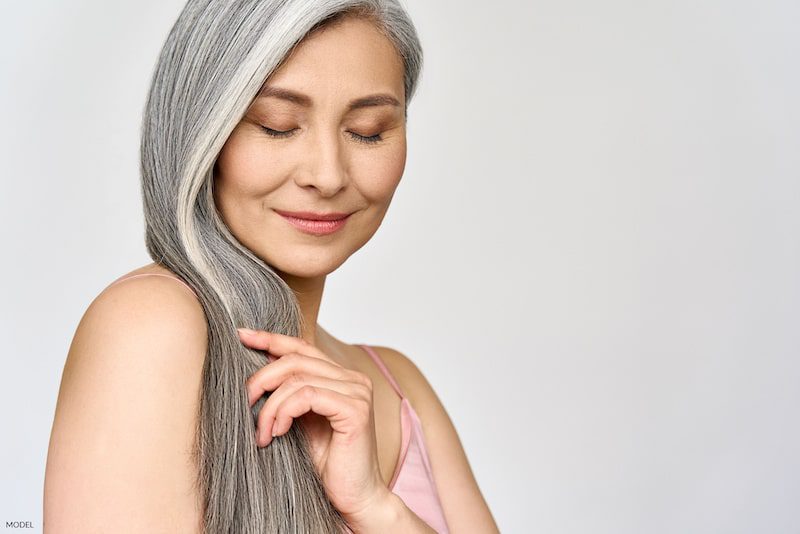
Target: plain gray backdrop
x=593, y=254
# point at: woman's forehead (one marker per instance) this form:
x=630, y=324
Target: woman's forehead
x=350, y=56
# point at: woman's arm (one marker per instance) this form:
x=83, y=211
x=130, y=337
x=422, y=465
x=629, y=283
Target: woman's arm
x=464, y=507
x=118, y=459
x=389, y=516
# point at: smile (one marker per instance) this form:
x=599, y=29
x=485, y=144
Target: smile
x=325, y=226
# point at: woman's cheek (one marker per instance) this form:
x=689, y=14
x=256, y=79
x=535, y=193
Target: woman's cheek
x=250, y=165
x=379, y=176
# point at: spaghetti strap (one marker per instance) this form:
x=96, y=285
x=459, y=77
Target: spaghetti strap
x=382, y=366
x=153, y=274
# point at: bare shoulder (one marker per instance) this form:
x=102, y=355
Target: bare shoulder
x=464, y=505
x=121, y=447
x=406, y=372
x=415, y=386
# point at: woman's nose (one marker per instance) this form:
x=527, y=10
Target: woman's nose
x=326, y=167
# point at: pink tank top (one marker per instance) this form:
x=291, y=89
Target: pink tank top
x=413, y=478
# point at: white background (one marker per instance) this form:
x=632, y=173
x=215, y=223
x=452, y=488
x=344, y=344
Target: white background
x=593, y=255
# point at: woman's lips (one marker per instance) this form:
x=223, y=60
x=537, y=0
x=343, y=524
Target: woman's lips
x=315, y=226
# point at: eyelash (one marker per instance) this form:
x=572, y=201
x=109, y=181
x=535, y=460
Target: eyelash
x=372, y=139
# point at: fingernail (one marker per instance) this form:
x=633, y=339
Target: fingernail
x=246, y=331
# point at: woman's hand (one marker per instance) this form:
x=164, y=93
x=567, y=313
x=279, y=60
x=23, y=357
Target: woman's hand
x=334, y=405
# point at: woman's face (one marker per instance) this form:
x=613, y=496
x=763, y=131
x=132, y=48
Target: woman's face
x=333, y=158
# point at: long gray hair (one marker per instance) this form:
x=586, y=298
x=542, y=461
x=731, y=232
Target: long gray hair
x=213, y=63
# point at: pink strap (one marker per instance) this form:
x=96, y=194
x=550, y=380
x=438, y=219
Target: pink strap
x=154, y=274
x=385, y=370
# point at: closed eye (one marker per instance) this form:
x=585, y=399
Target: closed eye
x=364, y=139
x=278, y=133
x=288, y=133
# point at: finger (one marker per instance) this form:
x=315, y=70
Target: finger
x=279, y=344
x=270, y=377
x=268, y=412
x=343, y=412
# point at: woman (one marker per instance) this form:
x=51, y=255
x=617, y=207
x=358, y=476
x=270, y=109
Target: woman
x=168, y=418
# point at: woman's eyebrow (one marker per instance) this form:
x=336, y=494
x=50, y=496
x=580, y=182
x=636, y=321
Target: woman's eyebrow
x=379, y=99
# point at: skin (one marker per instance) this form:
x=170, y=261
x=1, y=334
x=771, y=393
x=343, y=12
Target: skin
x=323, y=166
x=158, y=331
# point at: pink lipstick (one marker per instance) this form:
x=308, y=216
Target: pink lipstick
x=315, y=223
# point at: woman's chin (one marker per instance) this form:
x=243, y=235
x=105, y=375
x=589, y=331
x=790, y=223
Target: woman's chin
x=309, y=266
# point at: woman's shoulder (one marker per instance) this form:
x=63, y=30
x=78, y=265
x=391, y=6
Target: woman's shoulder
x=462, y=501
x=152, y=290
x=149, y=277
x=417, y=389
x=156, y=320
x=153, y=320
x=149, y=302
x=123, y=430
x=410, y=378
